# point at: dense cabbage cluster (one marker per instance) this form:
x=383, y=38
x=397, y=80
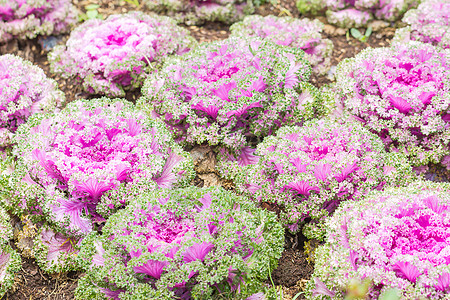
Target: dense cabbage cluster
x=111, y=55
x=296, y=33
x=182, y=244
x=76, y=167
x=429, y=23
x=402, y=94
x=356, y=13
x=228, y=91
x=308, y=171
x=196, y=12
x=24, y=90
x=10, y=261
x=22, y=19
x=397, y=238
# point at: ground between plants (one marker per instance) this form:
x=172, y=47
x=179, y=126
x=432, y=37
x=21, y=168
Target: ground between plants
x=295, y=267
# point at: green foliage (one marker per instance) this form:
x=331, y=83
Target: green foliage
x=91, y=13
x=359, y=36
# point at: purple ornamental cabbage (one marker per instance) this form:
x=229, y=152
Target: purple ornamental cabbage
x=308, y=171
x=26, y=19
x=182, y=244
x=113, y=55
x=397, y=238
x=24, y=90
x=357, y=13
x=295, y=33
x=402, y=94
x=70, y=165
x=429, y=23
x=10, y=261
x=230, y=91
x=197, y=12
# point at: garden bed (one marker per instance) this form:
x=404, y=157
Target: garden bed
x=295, y=266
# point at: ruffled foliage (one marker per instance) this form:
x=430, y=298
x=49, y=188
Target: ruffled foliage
x=228, y=91
x=185, y=244
x=21, y=19
x=111, y=55
x=356, y=13
x=24, y=90
x=71, y=164
x=429, y=23
x=308, y=171
x=10, y=261
x=397, y=238
x=402, y=94
x=296, y=33
x=197, y=12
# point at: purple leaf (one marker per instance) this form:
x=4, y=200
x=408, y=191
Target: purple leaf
x=406, y=270
x=167, y=176
x=197, y=251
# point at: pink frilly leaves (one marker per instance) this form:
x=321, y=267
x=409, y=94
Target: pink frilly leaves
x=170, y=241
x=309, y=170
x=113, y=55
x=396, y=238
x=24, y=90
x=87, y=159
x=401, y=94
x=222, y=93
x=292, y=32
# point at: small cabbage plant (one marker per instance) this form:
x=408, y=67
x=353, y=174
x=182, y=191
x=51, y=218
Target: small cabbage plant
x=197, y=12
x=69, y=165
x=10, y=261
x=356, y=13
x=402, y=94
x=182, y=244
x=397, y=238
x=308, y=171
x=296, y=33
x=230, y=91
x=113, y=55
x=22, y=19
x=24, y=90
x=429, y=23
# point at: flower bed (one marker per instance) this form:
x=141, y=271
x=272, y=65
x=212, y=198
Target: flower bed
x=429, y=23
x=197, y=12
x=397, y=238
x=227, y=92
x=27, y=19
x=184, y=243
x=402, y=94
x=295, y=33
x=74, y=162
x=308, y=171
x=10, y=261
x=25, y=90
x=116, y=54
x=356, y=13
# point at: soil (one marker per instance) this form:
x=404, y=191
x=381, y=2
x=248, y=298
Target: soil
x=294, y=268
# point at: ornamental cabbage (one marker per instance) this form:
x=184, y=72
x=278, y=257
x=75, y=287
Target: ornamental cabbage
x=308, y=171
x=197, y=12
x=70, y=163
x=10, y=261
x=357, y=13
x=227, y=92
x=303, y=34
x=25, y=90
x=402, y=94
x=185, y=244
x=429, y=23
x=397, y=238
x=22, y=19
x=108, y=56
